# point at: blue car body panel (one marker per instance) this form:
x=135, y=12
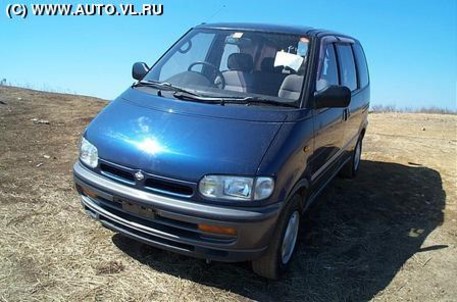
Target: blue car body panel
x=175, y=139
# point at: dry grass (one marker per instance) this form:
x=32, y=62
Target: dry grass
x=390, y=234
x=393, y=108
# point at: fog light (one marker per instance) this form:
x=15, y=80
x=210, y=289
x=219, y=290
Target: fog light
x=217, y=229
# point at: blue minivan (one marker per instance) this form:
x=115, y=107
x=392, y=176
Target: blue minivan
x=219, y=147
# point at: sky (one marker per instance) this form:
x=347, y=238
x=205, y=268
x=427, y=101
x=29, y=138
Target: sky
x=411, y=45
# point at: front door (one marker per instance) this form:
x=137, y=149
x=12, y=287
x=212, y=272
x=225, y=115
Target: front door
x=348, y=77
x=329, y=123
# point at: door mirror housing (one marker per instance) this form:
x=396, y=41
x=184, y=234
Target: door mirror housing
x=333, y=97
x=139, y=70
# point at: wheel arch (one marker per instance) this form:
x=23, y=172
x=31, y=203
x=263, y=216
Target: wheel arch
x=301, y=188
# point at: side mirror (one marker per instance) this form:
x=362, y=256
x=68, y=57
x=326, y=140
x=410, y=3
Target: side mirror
x=139, y=70
x=333, y=97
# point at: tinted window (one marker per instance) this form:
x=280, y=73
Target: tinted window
x=347, y=66
x=361, y=65
x=329, y=70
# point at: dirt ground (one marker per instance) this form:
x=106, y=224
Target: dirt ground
x=388, y=235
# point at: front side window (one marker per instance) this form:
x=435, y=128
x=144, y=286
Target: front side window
x=236, y=64
x=347, y=66
x=328, y=74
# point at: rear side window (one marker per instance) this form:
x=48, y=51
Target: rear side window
x=347, y=66
x=329, y=69
x=361, y=65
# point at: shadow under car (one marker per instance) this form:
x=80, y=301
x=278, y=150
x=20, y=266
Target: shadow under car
x=352, y=242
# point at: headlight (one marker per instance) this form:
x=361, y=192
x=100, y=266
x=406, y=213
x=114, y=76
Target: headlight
x=236, y=187
x=88, y=153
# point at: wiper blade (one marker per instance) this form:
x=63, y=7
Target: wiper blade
x=185, y=95
x=253, y=100
x=232, y=100
x=262, y=101
x=164, y=86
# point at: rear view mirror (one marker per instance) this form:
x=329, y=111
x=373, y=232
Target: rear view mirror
x=139, y=70
x=237, y=40
x=333, y=97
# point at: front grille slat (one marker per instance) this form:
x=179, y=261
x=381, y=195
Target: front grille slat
x=164, y=187
x=117, y=174
x=151, y=182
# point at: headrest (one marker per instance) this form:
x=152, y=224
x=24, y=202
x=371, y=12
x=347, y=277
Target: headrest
x=268, y=64
x=291, y=87
x=240, y=61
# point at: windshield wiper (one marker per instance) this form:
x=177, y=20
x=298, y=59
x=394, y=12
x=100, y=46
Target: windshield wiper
x=253, y=100
x=179, y=93
x=164, y=86
x=248, y=101
x=183, y=94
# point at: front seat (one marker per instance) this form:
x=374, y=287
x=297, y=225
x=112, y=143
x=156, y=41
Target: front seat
x=270, y=78
x=291, y=87
x=239, y=76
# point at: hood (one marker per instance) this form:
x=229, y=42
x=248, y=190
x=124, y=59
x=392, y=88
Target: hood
x=181, y=139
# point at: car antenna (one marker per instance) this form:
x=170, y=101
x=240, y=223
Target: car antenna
x=217, y=12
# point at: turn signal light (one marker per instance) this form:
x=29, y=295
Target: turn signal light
x=89, y=193
x=217, y=229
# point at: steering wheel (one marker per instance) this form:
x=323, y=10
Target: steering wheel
x=219, y=80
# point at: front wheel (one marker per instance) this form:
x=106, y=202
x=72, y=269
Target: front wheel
x=283, y=243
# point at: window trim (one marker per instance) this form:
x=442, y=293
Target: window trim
x=337, y=59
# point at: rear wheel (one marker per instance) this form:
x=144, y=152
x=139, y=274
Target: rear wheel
x=283, y=243
x=351, y=168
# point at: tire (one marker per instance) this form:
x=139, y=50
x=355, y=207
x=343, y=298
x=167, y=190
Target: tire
x=350, y=169
x=278, y=255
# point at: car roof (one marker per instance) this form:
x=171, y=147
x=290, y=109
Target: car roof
x=273, y=28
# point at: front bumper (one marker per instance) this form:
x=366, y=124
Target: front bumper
x=174, y=224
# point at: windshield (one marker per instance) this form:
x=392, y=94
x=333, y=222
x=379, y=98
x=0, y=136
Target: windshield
x=236, y=64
